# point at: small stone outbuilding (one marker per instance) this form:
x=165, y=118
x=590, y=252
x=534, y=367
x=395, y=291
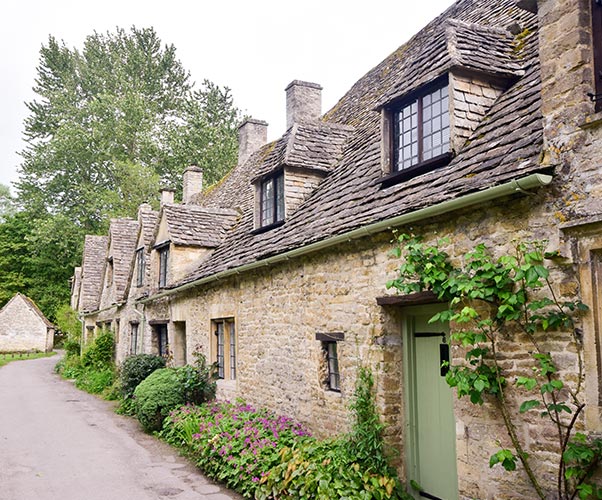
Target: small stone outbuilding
x=23, y=327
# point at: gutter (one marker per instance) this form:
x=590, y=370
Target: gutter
x=512, y=187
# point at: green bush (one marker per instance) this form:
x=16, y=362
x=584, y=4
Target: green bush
x=135, y=369
x=156, y=396
x=69, y=327
x=95, y=381
x=167, y=388
x=100, y=353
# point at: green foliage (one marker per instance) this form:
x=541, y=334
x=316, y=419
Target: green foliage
x=267, y=456
x=491, y=298
x=135, y=369
x=70, y=329
x=166, y=388
x=325, y=470
x=114, y=119
x=7, y=202
x=93, y=371
x=366, y=442
x=156, y=396
x=6, y=358
x=38, y=252
x=100, y=353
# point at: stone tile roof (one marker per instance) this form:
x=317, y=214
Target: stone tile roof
x=31, y=305
x=506, y=144
x=191, y=225
x=309, y=145
x=93, y=261
x=148, y=219
x=123, y=234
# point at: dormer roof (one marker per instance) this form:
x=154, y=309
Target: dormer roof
x=123, y=234
x=482, y=44
x=315, y=146
x=95, y=252
x=191, y=225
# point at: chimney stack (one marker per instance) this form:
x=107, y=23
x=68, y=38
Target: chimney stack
x=252, y=134
x=192, y=183
x=303, y=102
x=166, y=195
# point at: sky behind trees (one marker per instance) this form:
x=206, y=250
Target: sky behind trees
x=255, y=48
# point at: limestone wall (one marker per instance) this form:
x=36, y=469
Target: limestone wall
x=21, y=329
x=278, y=311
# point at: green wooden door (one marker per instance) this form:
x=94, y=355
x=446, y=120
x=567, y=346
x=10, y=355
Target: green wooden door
x=431, y=429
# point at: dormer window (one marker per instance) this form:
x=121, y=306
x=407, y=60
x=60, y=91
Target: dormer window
x=163, y=260
x=421, y=129
x=272, y=200
x=140, y=267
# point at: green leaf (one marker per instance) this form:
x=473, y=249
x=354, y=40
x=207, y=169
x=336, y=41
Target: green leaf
x=528, y=405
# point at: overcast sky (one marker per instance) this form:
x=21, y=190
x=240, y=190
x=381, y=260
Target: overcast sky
x=255, y=47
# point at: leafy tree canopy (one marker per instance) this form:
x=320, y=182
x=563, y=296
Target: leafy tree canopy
x=113, y=121
x=110, y=124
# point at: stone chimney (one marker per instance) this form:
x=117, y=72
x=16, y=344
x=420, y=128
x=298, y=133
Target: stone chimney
x=303, y=102
x=192, y=183
x=252, y=134
x=166, y=195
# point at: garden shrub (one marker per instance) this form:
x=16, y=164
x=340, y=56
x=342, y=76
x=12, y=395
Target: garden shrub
x=95, y=381
x=100, y=353
x=135, y=369
x=69, y=328
x=156, y=396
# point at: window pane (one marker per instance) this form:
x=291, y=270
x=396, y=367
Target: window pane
x=232, y=352
x=220, y=349
x=280, y=197
x=267, y=202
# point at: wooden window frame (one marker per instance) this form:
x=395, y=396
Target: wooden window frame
x=330, y=352
x=134, y=329
x=162, y=336
x=596, y=6
x=224, y=347
x=392, y=173
x=140, y=265
x=163, y=252
x=277, y=200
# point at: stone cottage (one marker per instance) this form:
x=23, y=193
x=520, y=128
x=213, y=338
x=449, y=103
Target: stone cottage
x=483, y=127
x=24, y=328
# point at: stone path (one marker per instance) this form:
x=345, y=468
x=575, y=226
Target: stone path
x=59, y=443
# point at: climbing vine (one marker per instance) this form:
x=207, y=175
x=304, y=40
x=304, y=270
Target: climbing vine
x=510, y=297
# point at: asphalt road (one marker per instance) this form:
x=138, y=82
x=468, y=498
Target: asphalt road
x=59, y=443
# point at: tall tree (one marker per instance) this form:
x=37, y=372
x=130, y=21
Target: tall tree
x=7, y=202
x=110, y=123
x=113, y=121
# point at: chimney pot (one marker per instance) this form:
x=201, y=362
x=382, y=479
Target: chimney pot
x=303, y=102
x=252, y=134
x=192, y=183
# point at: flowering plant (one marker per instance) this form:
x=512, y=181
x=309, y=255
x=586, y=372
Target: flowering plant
x=233, y=442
